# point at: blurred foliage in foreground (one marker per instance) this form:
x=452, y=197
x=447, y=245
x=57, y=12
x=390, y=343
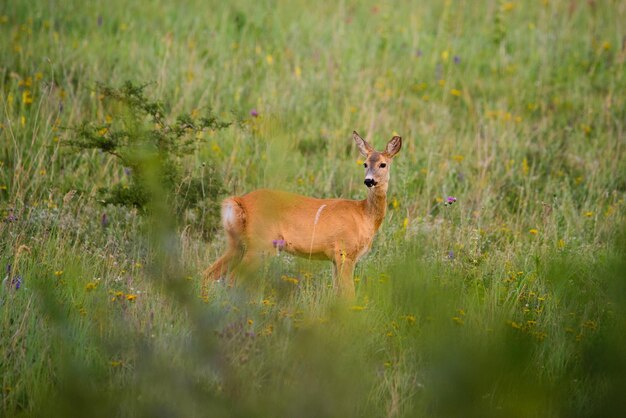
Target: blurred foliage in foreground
x=511, y=302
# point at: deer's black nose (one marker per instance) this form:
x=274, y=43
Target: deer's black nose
x=370, y=182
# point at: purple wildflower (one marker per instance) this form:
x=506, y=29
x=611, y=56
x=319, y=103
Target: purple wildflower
x=279, y=244
x=9, y=269
x=99, y=20
x=419, y=53
x=104, y=221
x=450, y=255
x=457, y=59
x=17, y=281
x=11, y=217
x=128, y=171
x=254, y=113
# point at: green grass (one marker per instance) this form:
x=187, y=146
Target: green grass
x=511, y=302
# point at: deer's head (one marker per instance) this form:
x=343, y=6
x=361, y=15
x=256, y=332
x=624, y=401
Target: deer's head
x=376, y=163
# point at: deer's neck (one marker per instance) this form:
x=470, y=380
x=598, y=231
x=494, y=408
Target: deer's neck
x=376, y=204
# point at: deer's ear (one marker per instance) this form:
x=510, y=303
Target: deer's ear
x=393, y=146
x=364, y=148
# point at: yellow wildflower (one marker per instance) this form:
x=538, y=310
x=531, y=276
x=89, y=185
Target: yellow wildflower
x=589, y=214
x=288, y=279
x=268, y=330
x=533, y=231
x=590, y=325
x=27, y=98
x=131, y=298
x=269, y=59
x=455, y=92
x=26, y=82
x=409, y=318
x=508, y=6
x=514, y=325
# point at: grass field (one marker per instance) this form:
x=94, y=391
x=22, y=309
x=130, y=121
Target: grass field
x=509, y=303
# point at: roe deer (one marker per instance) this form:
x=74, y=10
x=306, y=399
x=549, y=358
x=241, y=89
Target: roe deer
x=339, y=230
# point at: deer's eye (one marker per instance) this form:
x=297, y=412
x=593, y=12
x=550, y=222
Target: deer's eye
x=383, y=165
x=365, y=165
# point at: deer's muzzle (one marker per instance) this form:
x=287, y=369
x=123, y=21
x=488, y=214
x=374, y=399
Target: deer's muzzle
x=370, y=182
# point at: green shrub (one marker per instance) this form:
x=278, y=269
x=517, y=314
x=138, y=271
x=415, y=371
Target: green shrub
x=152, y=148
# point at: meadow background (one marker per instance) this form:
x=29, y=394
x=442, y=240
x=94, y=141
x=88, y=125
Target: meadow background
x=510, y=302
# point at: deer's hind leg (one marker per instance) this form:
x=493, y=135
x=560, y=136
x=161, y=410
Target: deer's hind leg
x=223, y=265
x=220, y=269
x=234, y=222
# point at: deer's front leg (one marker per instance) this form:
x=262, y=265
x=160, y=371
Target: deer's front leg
x=344, y=274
